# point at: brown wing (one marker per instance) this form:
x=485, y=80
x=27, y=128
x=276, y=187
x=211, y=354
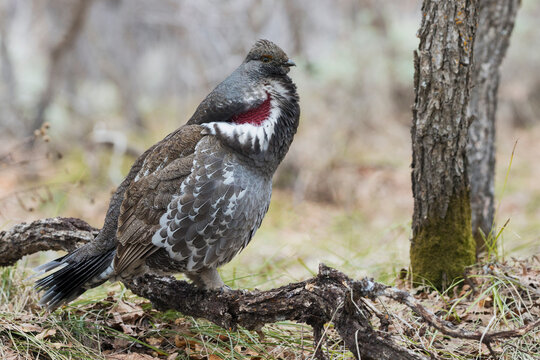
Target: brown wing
x=148, y=195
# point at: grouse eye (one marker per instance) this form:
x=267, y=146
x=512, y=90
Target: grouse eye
x=266, y=58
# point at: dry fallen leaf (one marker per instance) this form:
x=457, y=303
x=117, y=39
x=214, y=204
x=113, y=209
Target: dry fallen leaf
x=223, y=338
x=180, y=342
x=25, y=327
x=133, y=356
x=11, y=355
x=128, y=312
x=46, y=334
x=154, y=341
x=193, y=354
x=487, y=302
x=120, y=343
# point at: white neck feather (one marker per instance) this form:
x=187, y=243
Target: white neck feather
x=249, y=134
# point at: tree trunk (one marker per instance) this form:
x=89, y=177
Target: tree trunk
x=442, y=244
x=495, y=24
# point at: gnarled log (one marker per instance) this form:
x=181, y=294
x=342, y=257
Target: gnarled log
x=44, y=234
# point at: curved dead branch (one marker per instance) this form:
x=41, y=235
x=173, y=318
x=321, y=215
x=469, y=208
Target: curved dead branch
x=331, y=296
x=45, y=234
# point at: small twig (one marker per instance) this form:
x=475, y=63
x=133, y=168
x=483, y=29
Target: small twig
x=493, y=318
x=446, y=328
x=491, y=351
x=384, y=319
x=508, y=343
x=318, y=338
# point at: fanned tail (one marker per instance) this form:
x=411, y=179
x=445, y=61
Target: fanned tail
x=72, y=278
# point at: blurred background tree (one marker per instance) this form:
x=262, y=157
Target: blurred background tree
x=496, y=21
x=132, y=71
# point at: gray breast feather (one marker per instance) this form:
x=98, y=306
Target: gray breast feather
x=220, y=206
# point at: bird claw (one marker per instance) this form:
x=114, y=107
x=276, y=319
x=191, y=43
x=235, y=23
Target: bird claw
x=225, y=289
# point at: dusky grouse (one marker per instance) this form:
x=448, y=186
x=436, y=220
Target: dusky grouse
x=192, y=201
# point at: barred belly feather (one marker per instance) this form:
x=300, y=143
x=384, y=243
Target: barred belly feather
x=220, y=206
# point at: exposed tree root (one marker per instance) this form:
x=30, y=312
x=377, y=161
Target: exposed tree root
x=331, y=296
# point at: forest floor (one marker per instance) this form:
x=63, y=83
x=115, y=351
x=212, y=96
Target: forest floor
x=111, y=323
x=369, y=236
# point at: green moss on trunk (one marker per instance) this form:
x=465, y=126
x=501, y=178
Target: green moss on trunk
x=443, y=247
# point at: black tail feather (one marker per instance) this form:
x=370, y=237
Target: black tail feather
x=73, y=279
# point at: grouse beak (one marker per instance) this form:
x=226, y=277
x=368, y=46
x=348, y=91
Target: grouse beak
x=289, y=63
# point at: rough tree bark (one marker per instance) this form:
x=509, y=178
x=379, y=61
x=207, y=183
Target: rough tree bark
x=495, y=24
x=47, y=234
x=331, y=296
x=442, y=244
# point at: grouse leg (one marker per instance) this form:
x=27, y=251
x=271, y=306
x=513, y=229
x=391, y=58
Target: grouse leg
x=207, y=279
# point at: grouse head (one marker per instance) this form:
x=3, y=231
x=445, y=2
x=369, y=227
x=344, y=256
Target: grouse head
x=266, y=58
x=255, y=110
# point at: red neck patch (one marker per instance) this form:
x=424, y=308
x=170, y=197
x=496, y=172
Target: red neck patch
x=255, y=116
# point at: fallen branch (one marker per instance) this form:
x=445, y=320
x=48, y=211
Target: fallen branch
x=331, y=296
x=45, y=234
